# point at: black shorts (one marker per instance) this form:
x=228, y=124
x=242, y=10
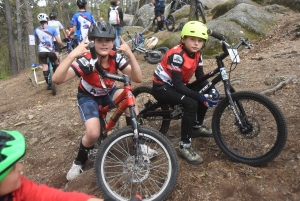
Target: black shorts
x=158, y=13
x=44, y=55
x=57, y=46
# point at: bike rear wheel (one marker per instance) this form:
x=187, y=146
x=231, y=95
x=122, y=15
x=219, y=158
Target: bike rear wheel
x=200, y=12
x=156, y=55
x=267, y=129
x=148, y=106
x=121, y=172
x=170, y=23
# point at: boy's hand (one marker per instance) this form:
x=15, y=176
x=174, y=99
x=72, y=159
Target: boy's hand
x=124, y=48
x=80, y=49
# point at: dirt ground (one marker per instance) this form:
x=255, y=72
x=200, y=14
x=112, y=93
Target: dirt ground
x=53, y=128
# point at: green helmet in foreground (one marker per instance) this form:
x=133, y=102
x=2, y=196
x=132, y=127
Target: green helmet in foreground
x=12, y=149
x=196, y=29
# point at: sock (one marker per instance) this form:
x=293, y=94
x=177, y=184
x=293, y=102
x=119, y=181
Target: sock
x=83, y=151
x=46, y=73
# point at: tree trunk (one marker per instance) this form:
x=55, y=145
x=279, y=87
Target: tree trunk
x=31, y=54
x=97, y=4
x=192, y=14
x=11, y=44
x=20, y=36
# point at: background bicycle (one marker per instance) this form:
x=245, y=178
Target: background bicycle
x=248, y=127
x=152, y=56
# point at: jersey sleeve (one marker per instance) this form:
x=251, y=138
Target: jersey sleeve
x=30, y=191
x=199, y=70
x=60, y=26
x=121, y=62
x=82, y=66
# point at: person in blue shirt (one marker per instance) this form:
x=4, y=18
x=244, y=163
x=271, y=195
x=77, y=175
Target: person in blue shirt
x=44, y=36
x=81, y=21
x=158, y=11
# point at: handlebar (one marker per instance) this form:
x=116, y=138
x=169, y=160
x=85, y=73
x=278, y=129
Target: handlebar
x=124, y=78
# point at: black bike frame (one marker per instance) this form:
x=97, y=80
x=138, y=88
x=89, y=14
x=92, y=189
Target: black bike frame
x=222, y=76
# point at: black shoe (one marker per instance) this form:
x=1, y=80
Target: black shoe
x=49, y=87
x=201, y=131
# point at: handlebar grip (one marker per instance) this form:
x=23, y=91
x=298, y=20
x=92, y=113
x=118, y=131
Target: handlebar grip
x=93, y=50
x=215, y=34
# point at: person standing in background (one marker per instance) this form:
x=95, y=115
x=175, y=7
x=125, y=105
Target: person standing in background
x=115, y=18
x=59, y=27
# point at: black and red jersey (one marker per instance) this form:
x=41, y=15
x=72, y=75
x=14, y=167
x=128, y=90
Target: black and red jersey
x=177, y=68
x=90, y=78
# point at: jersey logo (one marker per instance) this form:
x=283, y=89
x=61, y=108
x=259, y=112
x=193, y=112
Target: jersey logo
x=177, y=59
x=84, y=61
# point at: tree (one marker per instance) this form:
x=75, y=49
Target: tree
x=20, y=35
x=192, y=14
x=11, y=41
x=31, y=53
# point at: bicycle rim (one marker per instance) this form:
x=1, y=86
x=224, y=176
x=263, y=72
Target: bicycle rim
x=120, y=176
x=267, y=132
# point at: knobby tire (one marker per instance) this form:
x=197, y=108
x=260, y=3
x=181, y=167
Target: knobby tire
x=118, y=175
x=153, y=58
x=268, y=134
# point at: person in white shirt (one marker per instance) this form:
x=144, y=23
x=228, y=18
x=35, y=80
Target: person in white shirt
x=59, y=27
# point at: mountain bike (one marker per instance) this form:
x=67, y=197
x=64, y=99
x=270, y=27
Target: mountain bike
x=152, y=56
x=169, y=22
x=176, y=5
x=133, y=160
x=247, y=126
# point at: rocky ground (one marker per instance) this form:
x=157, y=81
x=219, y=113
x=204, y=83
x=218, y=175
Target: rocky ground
x=53, y=128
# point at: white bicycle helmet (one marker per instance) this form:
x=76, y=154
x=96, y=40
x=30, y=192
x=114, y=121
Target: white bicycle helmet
x=43, y=17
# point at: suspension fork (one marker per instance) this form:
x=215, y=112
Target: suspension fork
x=135, y=128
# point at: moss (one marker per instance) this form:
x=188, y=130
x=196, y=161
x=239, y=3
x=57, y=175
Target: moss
x=221, y=9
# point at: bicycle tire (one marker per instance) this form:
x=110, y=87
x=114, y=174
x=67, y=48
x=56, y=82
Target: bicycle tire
x=170, y=23
x=53, y=86
x=268, y=134
x=144, y=99
x=120, y=177
x=200, y=12
x=154, y=25
x=153, y=58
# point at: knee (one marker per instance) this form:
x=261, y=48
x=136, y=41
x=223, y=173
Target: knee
x=92, y=134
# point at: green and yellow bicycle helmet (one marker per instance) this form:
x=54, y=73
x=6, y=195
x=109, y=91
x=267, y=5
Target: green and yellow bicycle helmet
x=12, y=149
x=196, y=29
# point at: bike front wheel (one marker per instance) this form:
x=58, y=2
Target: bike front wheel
x=152, y=113
x=170, y=23
x=122, y=172
x=266, y=130
x=156, y=55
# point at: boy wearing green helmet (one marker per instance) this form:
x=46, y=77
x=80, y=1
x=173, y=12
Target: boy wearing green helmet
x=170, y=85
x=14, y=186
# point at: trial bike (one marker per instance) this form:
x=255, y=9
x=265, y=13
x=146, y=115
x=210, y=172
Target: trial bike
x=247, y=126
x=135, y=159
x=152, y=56
x=169, y=22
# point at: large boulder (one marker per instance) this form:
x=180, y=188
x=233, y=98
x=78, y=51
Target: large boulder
x=143, y=16
x=222, y=8
x=293, y=4
x=244, y=20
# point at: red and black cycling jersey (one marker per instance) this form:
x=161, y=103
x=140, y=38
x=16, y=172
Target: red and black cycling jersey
x=177, y=68
x=90, y=79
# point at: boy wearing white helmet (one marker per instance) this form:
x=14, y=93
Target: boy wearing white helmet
x=170, y=85
x=44, y=36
